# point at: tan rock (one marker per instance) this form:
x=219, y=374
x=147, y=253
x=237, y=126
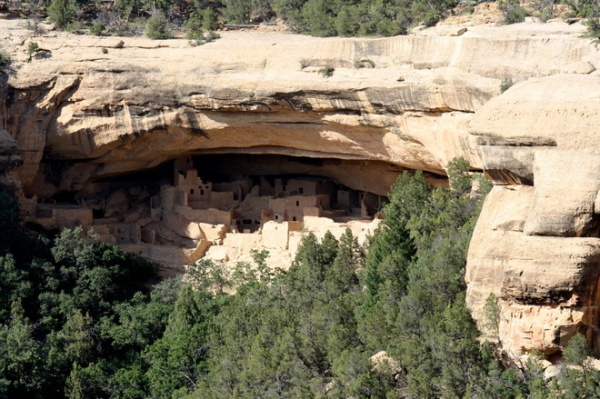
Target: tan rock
x=551, y=269
x=580, y=67
x=381, y=360
x=316, y=223
x=552, y=371
x=501, y=222
x=129, y=109
x=566, y=185
x=275, y=235
x=544, y=270
x=218, y=253
x=183, y=227
x=508, y=165
x=559, y=110
x=524, y=328
x=213, y=232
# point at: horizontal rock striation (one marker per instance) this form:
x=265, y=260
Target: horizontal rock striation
x=542, y=217
x=144, y=102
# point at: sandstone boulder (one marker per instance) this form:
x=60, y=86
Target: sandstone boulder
x=183, y=227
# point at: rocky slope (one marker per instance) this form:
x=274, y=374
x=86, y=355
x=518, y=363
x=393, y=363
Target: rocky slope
x=80, y=113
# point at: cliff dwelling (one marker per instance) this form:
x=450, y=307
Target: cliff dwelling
x=221, y=205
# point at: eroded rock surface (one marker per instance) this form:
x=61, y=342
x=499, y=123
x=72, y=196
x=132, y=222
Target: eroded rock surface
x=144, y=101
x=536, y=245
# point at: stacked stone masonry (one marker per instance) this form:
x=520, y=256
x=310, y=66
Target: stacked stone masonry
x=191, y=215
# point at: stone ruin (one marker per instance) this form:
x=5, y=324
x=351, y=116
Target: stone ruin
x=188, y=218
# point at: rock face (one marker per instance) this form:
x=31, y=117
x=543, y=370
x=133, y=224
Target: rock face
x=144, y=102
x=87, y=109
x=542, y=216
x=9, y=152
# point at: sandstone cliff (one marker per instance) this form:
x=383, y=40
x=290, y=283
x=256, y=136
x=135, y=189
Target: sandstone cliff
x=536, y=245
x=143, y=101
x=81, y=114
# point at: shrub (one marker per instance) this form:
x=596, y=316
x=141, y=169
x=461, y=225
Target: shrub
x=459, y=177
x=104, y=50
x=546, y=14
x=74, y=26
x=63, y=12
x=505, y=84
x=577, y=350
x=194, y=27
x=431, y=18
x=211, y=36
x=346, y=22
x=593, y=28
x=98, y=29
x=34, y=26
x=491, y=311
x=209, y=19
x=304, y=63
x=327, y=71
x=156, y=27
x=364, y=63
x=583, y=8
x=512, y=11
x=32, y=47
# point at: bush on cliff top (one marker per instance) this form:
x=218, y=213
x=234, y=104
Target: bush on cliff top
x=63, y=12
x=157, y=27
x=315, y=17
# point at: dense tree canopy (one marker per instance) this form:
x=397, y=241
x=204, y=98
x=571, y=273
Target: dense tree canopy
x=315, y=17
x=81, y=319
x=199, y=18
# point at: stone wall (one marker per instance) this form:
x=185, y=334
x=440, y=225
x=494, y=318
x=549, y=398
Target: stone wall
x=212, y=216
x=64, y=217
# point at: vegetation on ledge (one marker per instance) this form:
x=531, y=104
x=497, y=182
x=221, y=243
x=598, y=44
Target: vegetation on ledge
x=314, y=17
